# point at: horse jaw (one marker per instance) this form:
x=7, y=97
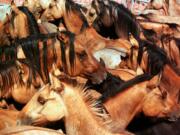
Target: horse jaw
x=36, y=113
x=56, y=12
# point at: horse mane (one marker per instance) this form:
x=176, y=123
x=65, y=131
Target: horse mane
x=30, y=46
x=31, y=50
x=74, y=7
x=94, y=106
x=177, y=42
x=157, y=57
x=123, y=86
x=8, y=52
x=110, y=83
x=71, y=50
x=121, y=16
x=32, y=23
x=9, y=76
x=126, y=20
x=4, y=39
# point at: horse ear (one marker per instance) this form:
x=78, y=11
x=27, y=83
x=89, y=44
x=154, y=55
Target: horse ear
x=12, y=3
x=102, y=62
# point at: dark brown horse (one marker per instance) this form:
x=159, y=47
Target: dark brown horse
x=114, y=20
x=42, y=51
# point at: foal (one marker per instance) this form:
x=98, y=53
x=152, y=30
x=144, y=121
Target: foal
x=85, y=118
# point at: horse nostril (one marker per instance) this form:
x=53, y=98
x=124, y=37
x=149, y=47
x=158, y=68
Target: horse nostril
x=24, y=121
x=172, y=119
x=105, y=75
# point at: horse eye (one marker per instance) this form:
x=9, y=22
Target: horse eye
x=82, y=55
x=164, y=95
x=91, y=14
x=41, y=100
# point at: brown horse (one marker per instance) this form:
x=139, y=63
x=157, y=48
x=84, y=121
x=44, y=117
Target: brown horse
x=140, y=98
x=114, y=20
x=164, y=37
x=71, y=57
x=14, y=80
x=77, y=23
x=8, y=118
x=28, y=25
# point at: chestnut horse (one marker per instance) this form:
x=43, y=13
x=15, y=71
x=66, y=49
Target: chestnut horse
x=8, y=118
x=77, y=23
x=71, y=57
x=139, y=100
x=27, y=26
x=114, y=20
x=14, y=80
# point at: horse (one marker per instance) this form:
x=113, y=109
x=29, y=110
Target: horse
x=78, y=56
x=161, y=35
x=8, y=118
x=29, y=130
x=14, y=80
x=85, y=112
x=68, y=10
x=114, y=16
x=28, y=24
x=140, y=99
x=157, y=98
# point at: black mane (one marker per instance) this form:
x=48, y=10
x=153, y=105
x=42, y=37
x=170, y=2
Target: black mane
x=9, y=75
x=8, y=52
x=122, y=18
x=114, y=85
x=32, y=23
x=157, y=57
x=30, y=46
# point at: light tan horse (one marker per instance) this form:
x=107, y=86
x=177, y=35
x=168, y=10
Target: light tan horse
x=62, y=104
x=29, y=130
x=44, y=107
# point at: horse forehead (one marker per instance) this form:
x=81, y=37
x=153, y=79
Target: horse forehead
x=79, y=48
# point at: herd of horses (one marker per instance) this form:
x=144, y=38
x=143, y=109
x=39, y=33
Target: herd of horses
x=54, y=62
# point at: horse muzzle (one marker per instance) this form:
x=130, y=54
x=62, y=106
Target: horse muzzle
x=97, y=77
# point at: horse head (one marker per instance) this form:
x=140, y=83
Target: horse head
x=45, y=106
x=54, y=9
x=160, y=104
x=80, y=60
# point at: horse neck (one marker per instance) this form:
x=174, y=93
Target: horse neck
x=21, y=28
x=131, y=99
x=170, y=81
x=79, y=119
x=50, y=57
x=73, y=22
